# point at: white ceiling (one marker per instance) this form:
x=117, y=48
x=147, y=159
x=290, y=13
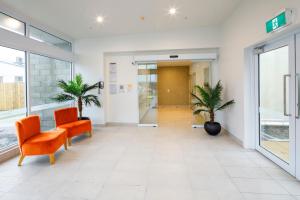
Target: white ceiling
x=77, y=18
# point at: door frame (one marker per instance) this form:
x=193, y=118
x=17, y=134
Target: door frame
x=268, y=46
x=140, y=124
x=297, y=60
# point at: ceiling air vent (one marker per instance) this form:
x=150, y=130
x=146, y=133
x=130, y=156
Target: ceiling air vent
x=173, y=56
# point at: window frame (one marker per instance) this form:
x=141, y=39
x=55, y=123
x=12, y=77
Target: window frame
x=15, y=18
x=35, y=27
x=48, y=106
x=20, y=42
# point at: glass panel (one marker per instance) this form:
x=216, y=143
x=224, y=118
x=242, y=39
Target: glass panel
x=12, y=94
x=42, y=36
x=199, y=75
x=12, y=24
x=47, y=118
x=274, y=125
x=147, y=83
x=44, y=75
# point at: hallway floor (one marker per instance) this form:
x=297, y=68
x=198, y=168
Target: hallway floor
x=171, y=162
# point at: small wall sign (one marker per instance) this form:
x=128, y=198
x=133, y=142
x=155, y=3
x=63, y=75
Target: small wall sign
x=281, y=20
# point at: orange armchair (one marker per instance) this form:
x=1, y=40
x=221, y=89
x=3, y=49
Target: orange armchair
x=34, y=142
x=67, y=119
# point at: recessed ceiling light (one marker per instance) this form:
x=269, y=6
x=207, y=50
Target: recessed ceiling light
x=100, y=19
x=172, y=11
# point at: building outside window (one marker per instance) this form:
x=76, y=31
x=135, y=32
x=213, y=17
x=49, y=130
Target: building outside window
x=12, y=94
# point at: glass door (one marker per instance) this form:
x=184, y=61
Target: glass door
x=147, y=94
x=276, y=101
x=200, y=74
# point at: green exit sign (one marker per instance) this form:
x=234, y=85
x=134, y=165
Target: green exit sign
x=280, y=21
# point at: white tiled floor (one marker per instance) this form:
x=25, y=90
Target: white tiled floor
x=171, y=162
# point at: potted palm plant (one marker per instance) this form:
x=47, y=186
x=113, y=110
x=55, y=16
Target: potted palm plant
x=77, y=90
x=208, y=99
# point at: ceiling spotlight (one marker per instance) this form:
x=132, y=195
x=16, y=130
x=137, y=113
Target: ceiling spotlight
x=100, y=19
x=172, y=11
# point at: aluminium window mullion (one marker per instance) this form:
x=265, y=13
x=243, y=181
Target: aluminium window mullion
x=28, y=92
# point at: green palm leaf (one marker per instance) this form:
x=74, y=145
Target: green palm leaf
x=76, y=90
x=86, y=87
x=208, y=99
x=225, y=105
x=63, y=97
x=88, y=99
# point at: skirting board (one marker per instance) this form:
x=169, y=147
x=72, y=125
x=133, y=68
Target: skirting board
x=147, y=125
x=120, y=124
x=237, y=140
x=224, y=131
x=197, y=126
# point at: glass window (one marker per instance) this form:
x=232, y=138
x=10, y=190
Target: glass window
x=45, y=73
x=12, y=24
x=12, y=94
x=47, y=117
x=42, y=36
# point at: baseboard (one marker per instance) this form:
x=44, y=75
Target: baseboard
x=99, y=125
x=120, y=124
x=197, y=126
x=237, y=140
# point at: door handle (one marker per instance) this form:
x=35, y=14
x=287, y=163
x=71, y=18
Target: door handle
x=297, y=95
x=284, y=94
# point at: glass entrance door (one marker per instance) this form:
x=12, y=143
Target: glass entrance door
x=276, y=99
x=147, y=94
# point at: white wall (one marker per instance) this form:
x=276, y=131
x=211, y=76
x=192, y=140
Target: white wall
x=90, y=53
x=245, y=27
x=122, y=107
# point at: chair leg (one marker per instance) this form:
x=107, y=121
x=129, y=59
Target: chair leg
x=21, y=160
x=70, y=142
x=66, y=146
x=90, y=134
x=51, y=159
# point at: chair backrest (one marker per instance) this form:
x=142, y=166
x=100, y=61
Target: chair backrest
x=65, y=115
x=28, y=127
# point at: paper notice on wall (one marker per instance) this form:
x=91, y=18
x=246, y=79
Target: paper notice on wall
x=113, y=72
x=129, y=88
x=113, y=88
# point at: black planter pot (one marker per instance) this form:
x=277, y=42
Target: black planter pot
x=212, y=128
x=83, y=118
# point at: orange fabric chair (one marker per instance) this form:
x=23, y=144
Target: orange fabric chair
x=34, y=142
x=67, y=119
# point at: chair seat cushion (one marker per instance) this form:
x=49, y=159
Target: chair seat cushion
x=44, y=143
x=77, y=127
